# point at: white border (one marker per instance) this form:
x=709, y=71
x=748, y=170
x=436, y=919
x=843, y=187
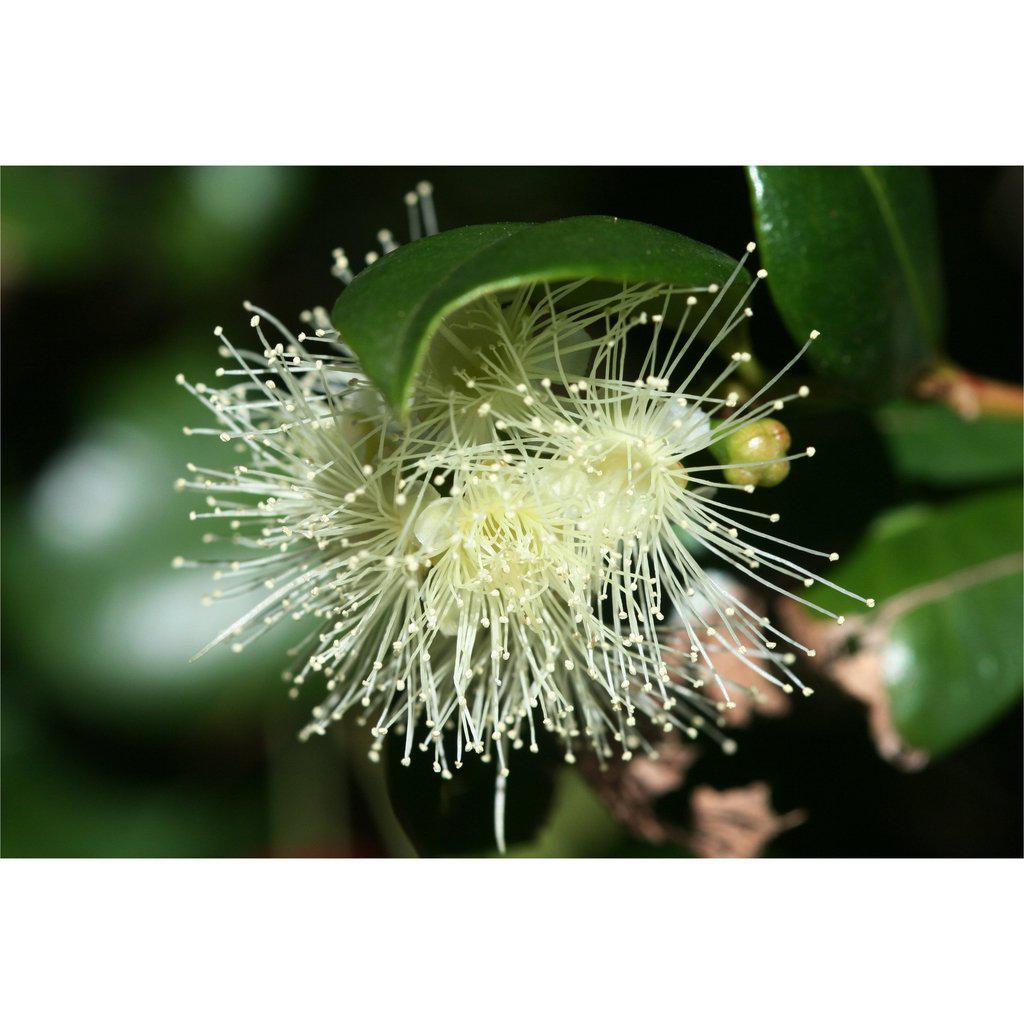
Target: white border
x=545, y=83
x=815, y=941
x=537, y=81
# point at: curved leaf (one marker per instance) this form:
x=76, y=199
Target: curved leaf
x=947, y=625
x=853, y=252
x=390, y=311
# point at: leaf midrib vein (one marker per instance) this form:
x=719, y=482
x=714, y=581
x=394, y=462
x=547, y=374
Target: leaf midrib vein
x=899, y=244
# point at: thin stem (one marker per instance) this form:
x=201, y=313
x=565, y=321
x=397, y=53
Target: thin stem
x=970, y=395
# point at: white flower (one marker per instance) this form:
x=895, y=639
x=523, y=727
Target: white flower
x=506, y=561
x=632, y=458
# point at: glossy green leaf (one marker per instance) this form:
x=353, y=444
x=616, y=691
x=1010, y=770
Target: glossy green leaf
x=853, y=253
x=947, y=624
x=390, y=311
x=929, y=443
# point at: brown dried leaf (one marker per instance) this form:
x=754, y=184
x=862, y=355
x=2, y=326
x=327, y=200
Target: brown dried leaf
x=861, y=676
x=737, y=822
x=630, y=788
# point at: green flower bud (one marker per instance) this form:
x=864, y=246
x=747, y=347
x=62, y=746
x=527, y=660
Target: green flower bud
x=749, y=449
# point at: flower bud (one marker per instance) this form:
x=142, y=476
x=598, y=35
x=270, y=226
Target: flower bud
x=749, y=450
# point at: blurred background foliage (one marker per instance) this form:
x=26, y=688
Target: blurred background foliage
x=114, y=744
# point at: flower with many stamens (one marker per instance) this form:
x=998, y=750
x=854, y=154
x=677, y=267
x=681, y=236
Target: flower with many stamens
x=629, y=456
x=317, y=508
x=526, y=548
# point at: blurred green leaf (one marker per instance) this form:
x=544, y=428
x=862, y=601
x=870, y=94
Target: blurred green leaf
x=390, y=311
x=98, y=614
x=213, y=222
x=55, y=222
x=928, y=442
x=853, y=253
x=579, y=825
x=947, y=625
x=243, y=199
x=58, y=803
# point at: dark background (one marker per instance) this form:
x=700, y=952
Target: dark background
x=112, y=281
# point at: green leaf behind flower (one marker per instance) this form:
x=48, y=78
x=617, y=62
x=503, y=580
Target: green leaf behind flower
x=947, y=625
x=390, y=311
x=853, y=253
x=930, y=443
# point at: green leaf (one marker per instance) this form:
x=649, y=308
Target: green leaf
x=391, y=310
x=853, y=253
x=947, y=624
x=929, y=443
